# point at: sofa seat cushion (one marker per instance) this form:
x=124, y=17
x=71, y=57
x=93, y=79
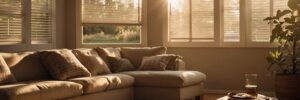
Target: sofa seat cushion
x=168, y=79
x=104, y=82
x=40, y=90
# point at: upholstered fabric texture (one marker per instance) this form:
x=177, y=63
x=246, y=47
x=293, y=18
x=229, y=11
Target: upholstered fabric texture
x=92, y=61
x=172, y=64
x=136, y=54
x=120, y=64
x=164, y=79
x=5, y=75
x=104, y=82
x=62, y=64
x=104, y=53
x=40, y=90
x=155, y=63
x=26, y=66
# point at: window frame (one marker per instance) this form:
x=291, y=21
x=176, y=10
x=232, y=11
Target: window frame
x=245, y=29
x=79, y=29
x=26, y=44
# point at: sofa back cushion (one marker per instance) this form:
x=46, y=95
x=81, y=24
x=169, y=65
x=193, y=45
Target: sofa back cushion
x=62, y=64
x=92, y=61
x=136, y=54
x=104, y=53
x=5, y=75
x=25, y=66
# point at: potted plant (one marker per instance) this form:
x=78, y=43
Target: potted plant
x=286, y=34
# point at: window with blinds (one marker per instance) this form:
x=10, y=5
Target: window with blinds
x=260, y=9
x=41, y=21
x=191, y=20
x=231, y=20
x=14, y=16
x=11, y=21
x=111, y=21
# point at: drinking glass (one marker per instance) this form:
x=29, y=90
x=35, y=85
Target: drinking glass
x=251, y=84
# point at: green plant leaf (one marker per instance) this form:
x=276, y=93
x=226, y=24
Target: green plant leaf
x=282, y=13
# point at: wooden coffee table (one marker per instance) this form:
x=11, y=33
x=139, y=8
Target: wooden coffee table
x=227, y=98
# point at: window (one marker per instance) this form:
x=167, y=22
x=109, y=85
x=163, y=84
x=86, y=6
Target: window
x=111, y=21
x=220, y=22
x=22, y=19
x=191, y=21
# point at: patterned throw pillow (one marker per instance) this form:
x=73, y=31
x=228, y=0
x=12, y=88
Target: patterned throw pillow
x=136, y=54
x=155, y=63
x=5, y=75
x=92, y=61
x=120, y=64
x=62, y=64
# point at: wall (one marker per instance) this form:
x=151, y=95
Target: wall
x=224, y=67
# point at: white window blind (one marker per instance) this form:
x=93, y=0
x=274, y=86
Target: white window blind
x=191, y=20
x=202, y=20
x=41, y=21
x=260, y=9
x=11, y=21
x=111, y=11
x=260, y=30
x=231, y=20
x=111, y=21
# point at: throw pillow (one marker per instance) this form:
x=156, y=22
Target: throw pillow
x=92, y=61
x=104, y=53
x=120, y=64
x=5, y=75
x=136, y=54
x=62, y=64
x=172, y=65
x=155, y=63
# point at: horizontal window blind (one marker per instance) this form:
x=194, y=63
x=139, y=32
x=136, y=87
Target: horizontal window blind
x=191, y=20
x=202, y=20
x=179, y=21
x=260, y=9
x=41, y=21
x=111, y=11
x=231, y=20
x=11, y=21
x=260, y=30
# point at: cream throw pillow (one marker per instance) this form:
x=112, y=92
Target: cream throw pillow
x=5, y=75
x=92, y=61
x=62, y=64
x=136, y=54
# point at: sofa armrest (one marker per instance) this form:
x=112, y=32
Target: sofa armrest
x=180, y=64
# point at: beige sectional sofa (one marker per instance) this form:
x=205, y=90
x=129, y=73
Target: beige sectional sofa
x=35, y=82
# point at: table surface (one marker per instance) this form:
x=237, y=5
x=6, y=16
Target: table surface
x=227, y=98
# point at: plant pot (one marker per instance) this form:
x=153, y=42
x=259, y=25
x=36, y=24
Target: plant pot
x=287, y=87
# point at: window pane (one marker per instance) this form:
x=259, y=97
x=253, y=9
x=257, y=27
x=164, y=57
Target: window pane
x=260, y=31
x=231, y=20
x=10, y=21
x=203, y=20
x=111, y=34
x=41, y=21
x=111, y=11
x=179, y=20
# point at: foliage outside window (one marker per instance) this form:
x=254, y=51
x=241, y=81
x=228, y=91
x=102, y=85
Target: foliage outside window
x=111, y=21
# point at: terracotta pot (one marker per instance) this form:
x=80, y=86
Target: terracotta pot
x=287, y=87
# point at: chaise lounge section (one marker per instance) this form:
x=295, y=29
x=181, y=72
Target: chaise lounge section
x=34, y=81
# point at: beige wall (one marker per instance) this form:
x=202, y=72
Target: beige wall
x=224, y=67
